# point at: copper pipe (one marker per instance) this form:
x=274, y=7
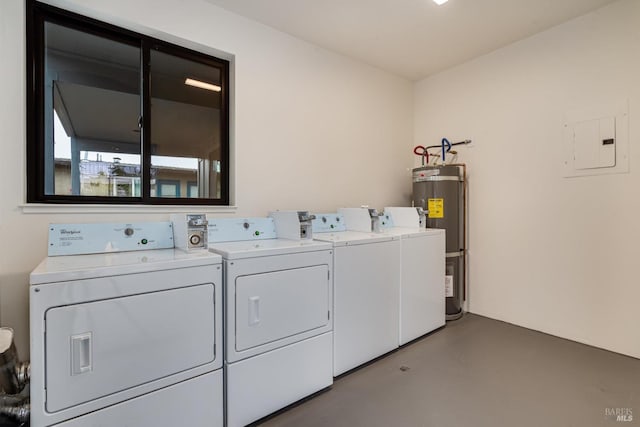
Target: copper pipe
x=464, y=223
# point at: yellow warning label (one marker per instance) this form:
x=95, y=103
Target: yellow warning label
x=436, y=208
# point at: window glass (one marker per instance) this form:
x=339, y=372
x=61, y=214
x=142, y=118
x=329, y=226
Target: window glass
x=168, y=188
x=120, y=117
x=91, y=115
x=192, y=189
x=186, y=125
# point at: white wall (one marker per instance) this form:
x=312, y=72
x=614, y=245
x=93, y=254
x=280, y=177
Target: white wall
x=549, y=253
x=313, y=129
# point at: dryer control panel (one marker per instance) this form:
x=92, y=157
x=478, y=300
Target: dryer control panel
x=240, y=229
x=78, y=239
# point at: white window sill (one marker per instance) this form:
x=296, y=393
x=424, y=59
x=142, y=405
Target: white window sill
x=45, y=208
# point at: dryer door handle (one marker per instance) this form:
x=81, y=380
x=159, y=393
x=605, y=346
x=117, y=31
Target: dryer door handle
x=254, y=311
x=81, y=353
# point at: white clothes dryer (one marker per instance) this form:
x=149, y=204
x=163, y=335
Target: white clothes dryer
x=366, y=281
x=422, y=272
x=125, y=338
x=278, y=331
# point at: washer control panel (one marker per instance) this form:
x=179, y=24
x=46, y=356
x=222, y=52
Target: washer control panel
x=386, y=221
x=240, y=229
x=328, y=222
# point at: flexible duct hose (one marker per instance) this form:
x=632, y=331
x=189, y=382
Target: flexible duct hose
x=16, y=406
x=14, y=380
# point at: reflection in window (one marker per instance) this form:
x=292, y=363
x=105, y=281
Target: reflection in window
x=192, y=189
x=94, y=106
x=104, y=128
x=167, y=188
x=185, y=124
x=99, y=173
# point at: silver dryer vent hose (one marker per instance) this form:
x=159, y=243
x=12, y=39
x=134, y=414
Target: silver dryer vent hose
x=14, y=380
x=15, y=407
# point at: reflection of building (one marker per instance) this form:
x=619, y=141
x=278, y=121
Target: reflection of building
x=98, y=178
x=97, y=100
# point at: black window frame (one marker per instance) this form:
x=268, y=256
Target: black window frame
x=36, y=16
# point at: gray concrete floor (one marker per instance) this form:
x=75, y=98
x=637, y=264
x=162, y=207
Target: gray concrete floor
x=480, y=372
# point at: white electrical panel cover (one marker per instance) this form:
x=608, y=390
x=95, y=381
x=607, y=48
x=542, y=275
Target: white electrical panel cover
x=596, y=140
x=594, y=143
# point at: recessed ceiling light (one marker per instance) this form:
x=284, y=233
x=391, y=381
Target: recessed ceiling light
x=439, y=2
x=202, y=85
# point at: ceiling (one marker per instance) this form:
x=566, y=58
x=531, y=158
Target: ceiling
x=411, y=38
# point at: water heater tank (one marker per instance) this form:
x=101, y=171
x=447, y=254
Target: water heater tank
x=440, y=191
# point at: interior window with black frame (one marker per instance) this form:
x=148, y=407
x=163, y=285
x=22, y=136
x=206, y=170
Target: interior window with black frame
x=118, y=117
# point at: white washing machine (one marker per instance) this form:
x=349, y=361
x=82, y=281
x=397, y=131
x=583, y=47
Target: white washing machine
x=366, y=290
x=422, y=272
x=278, y=330
x=125, y=338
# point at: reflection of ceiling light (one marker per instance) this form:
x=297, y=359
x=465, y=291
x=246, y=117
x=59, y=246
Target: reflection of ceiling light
x=202, y=85
x=439, y=2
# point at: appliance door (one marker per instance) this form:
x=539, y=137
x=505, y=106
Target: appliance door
x=277, y=300
x=279, y=304
x=98, y=348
